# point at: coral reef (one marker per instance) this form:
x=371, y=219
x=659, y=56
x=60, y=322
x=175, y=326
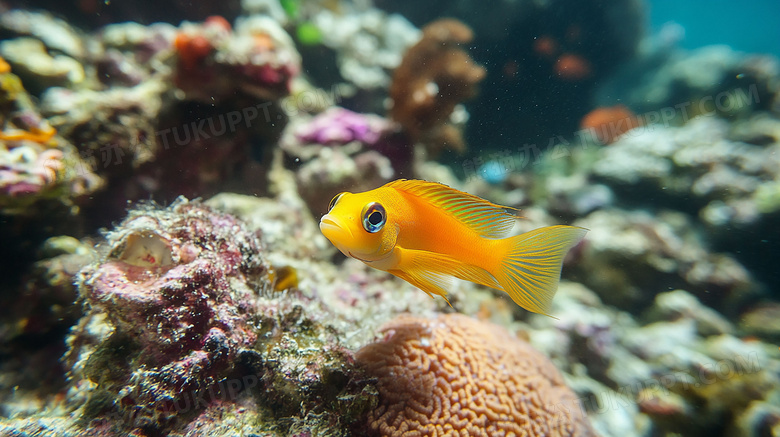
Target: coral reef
x=630, y=256
x=257, y=57
x=682, y=369
x=145, y=92
x=235, y=316
x=456, y=375
x=33, y=158
x=435, y=76
x=183, y=325
x=168, y=291
x=724, y=174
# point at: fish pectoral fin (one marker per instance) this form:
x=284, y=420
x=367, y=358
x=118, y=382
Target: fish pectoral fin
x=433, y=272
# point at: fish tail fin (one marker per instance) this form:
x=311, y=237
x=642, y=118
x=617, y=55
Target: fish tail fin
x=530, y=271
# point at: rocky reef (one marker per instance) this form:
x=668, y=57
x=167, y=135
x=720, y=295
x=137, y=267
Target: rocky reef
x=182, y=324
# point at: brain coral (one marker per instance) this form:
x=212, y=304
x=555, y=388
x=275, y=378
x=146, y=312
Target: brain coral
x=455, y=375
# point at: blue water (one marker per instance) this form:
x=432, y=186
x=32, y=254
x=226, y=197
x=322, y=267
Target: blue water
x=745, y=26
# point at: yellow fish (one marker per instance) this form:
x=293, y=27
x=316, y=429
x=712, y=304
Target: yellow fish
x=427, y=233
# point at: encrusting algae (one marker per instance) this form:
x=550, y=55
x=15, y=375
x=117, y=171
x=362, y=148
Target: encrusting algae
x=427, y=233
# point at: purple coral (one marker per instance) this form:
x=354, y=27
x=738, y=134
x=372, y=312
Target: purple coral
x=339, y=126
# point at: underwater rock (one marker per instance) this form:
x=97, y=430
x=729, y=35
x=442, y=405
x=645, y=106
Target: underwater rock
x=183, y=327
x=289, y=230
x=759, y=419
x=37, y=315
x=45, y=50
x=174, y=288
x=29, y=59
x=115, y=129
x=720, y=376
x=47, y=301
x=169, y=111
x=762, y=320
x=699, y=169
x=454, y=374
x=55, y=33
x=94, y=15
x=680, y=304
x=628, y=257
x=680, y=373
x=719, y=178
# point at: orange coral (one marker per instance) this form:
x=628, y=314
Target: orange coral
x=42, y=135
x=455, y=375
x=192, y=49
x=572, y=67
x=434, y=76
x=4, y=66
x=609, y=123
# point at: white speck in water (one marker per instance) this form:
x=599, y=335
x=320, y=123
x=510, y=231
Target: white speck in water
x=425, y=341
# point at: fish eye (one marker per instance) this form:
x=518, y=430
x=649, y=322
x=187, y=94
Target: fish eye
x=334, y=200
x=374, y=217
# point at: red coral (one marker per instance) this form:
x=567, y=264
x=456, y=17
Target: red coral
x=192, y=49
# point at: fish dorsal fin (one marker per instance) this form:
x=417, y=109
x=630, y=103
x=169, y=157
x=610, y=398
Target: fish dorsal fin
x=485, y=218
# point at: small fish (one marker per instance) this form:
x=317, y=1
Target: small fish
x=428, y=233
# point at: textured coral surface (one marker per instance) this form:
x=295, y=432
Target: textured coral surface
x=456, y=375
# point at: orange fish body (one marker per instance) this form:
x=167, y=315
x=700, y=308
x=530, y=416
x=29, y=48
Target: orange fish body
x=427, y=233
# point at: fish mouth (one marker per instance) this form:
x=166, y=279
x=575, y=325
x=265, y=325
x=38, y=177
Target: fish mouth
x=333, y=231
